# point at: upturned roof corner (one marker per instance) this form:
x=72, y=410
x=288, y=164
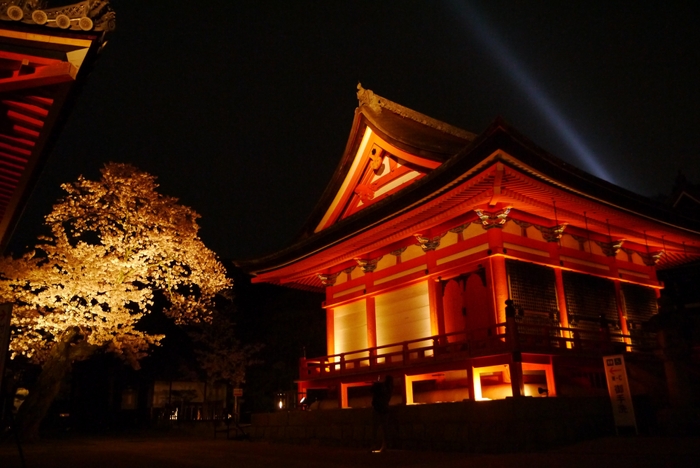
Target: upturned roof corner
x=368, y=99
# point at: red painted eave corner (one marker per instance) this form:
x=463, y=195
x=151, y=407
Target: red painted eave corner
x=310, y=284
x=36, y=98
x=500, y=135
x=406, y=129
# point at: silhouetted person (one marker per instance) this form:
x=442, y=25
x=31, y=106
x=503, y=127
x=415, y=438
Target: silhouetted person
x=674, y=333
x=381, y=396
x=510, y=308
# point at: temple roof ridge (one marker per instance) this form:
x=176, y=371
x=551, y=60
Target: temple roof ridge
x=367, y=98
x=85, y=15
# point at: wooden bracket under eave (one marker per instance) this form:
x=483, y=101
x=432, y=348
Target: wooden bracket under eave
x=497, y=181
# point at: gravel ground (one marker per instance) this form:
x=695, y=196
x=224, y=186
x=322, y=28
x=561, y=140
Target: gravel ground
x=176, y=452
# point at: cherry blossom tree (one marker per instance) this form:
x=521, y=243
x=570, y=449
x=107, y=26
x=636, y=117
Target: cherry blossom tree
x=116, y=251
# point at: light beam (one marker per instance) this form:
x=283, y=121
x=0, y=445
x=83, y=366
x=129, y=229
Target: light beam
x=487, y=36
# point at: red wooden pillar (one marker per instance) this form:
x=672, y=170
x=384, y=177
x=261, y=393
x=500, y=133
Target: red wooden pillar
x=499, y=282
x=561, y=298
x=343, y=396
x=499, y=278
x=470, y=379
x=371, y=322
x=302, y=386
x=330, y=332
x=620, y=300
x=437, y=313
x=371, y=327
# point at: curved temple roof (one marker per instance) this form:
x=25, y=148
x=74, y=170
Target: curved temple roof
x=457, y=173
x=413, y=140
x=41, y=66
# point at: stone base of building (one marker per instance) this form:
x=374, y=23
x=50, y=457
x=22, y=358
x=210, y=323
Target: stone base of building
x=499, y=426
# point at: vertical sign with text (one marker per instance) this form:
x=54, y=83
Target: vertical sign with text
x=619, y=390
x=5, y=316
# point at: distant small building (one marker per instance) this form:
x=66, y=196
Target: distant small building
x=473, y=266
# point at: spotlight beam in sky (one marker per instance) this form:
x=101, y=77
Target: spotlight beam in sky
x=516, y=71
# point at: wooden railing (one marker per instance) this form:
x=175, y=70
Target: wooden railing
x=497, y=339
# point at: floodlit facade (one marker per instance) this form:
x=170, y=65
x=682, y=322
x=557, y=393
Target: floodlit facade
x=426, y=231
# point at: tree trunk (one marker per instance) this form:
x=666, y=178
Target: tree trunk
x=70, y=348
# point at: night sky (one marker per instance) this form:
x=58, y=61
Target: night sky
x=243, y=109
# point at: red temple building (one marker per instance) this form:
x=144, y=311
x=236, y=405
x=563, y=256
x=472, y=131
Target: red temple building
x=45, y=52
x=426, y=231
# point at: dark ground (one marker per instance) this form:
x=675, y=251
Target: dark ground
x=176, y=452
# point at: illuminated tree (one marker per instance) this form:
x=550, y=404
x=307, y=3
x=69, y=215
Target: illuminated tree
x=117, y=251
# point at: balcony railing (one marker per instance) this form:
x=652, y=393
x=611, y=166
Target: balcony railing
x=497, y=339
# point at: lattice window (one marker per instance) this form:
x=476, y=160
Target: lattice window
x=640, y=302
x=533, y=289
x=587, y=298
x=640, y=306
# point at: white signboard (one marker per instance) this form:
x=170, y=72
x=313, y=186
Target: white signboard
x=5, y=315
x=619, y=390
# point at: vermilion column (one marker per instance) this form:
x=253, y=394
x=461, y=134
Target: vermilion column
x=561, y=298
x=470, y=379
x=302, y=386
x=437, y=319
x=561, y=304
x=499, y=278
x=371, y=323
x=620, y=300
x=330, y=332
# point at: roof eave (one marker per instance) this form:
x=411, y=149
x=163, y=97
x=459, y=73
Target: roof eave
x=499, y=136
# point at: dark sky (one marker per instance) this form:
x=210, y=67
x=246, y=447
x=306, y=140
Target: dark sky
x=243, y=108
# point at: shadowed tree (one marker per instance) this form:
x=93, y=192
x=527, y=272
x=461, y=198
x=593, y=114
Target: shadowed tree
x=222, y=357
x=117, y=251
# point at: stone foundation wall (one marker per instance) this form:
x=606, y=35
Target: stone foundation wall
x=509, y=425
